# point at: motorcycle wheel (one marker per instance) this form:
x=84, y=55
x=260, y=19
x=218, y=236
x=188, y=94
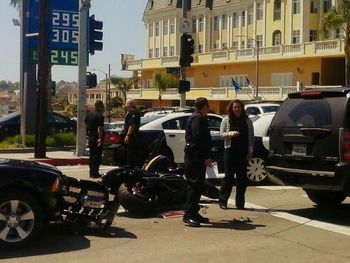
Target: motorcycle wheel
x=210, y=191
x=134, y=201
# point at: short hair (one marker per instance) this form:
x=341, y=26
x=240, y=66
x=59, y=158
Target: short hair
x=98, y=104
x=200, y=103
x=131, y=102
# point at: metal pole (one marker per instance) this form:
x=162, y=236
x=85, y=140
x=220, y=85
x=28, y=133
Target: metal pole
x=109, y=93
x=257, y=70
x=84, y=6
x=183, y=69
x=106, y=85
x=40, y=135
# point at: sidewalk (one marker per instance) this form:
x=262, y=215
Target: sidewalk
x=56, y=158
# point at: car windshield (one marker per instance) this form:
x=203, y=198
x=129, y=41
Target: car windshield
x=272, y=108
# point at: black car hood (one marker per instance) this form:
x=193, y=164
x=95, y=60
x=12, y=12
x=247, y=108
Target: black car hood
x=30, y=165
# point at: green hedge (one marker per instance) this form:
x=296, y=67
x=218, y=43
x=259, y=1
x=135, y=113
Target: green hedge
x=55, y=140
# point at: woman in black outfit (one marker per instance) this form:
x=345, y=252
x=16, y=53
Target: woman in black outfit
x=238, y=131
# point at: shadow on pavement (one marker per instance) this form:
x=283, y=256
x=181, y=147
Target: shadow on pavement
x=234, y=225
x=60, y=238
x=334, y=215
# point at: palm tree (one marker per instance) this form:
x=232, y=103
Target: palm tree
x=15, y=3
x=124, y=84
x=161, y=84
x=339, y=18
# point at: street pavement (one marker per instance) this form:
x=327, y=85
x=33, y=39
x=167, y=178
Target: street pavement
x=280, y=225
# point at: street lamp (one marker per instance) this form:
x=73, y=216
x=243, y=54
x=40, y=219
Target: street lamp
x=256, y=65
x=108, y=94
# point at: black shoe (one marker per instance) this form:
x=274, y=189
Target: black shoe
x=202, y=219
x=240, y=207
x=191, y=221
x=223, y=206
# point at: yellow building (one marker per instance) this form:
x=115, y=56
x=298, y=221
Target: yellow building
x=274, y=43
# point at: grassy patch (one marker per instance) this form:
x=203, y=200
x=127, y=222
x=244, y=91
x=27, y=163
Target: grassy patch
x=55, y=140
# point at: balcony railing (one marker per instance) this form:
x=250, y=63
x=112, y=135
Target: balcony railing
x=316, y=48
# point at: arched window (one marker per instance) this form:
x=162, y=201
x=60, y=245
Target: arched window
x=276, y=38
x=277, y=10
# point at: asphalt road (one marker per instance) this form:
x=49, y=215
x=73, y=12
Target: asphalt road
x=284, y=227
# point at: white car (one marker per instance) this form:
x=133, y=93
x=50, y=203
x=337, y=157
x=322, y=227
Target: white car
x=174, y=125
x=259, y=108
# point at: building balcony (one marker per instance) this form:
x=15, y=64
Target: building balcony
x=310, y=49
x=221, y=93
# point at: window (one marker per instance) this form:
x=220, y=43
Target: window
x=157, y=29
x=224, y=22
x=214, y=123
x=281, y=79
x=150, y=30
x=250, y=15
x=339, y=33
x=296, y=37
x=172, y=26
x=276, y=38
x=150, y=4
x=216, y=46
x=242, y=44
x=172, y=51
x=277, y=10
x=313, y=35
x=175, y=124
x=327, y=4
x=216, y=23
x=165, y=27
x=243, y=18
x=226, y=81
x=259, y=40
x=150, y=53
x=250, y=43
x=224, y=46
x=234, y=20
x=259, y=11
x=313, y=7
x=98, y=96
x=200, y=24
x=165, y=51
x=296, y=6
x=235, y=44
x=194, y=25
x=200, y=48
x=156, y=55
x=92, y=96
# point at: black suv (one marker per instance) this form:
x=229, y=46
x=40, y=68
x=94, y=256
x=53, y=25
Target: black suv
x=310, y=144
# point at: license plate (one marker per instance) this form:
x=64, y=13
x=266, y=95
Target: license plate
x=299, y=149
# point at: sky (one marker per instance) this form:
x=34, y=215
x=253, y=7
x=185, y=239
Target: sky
x=123, y=32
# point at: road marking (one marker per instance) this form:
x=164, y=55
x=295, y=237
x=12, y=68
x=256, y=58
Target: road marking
x=301, y=220
x=277, y=187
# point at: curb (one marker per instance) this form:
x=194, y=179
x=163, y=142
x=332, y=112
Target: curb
x=63, y=161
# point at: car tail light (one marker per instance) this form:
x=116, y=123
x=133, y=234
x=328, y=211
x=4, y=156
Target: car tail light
x=345, y=144
x=113, y=138
x=311, y=94
x=55, y=186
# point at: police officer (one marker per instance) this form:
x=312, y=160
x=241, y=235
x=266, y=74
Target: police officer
x=94, y=122
x=131, y=130
x=197, y=158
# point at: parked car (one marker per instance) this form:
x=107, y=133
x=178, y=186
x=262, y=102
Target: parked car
x=256, y=171
x=310, y=144
x=258, y=108
x=56, y=123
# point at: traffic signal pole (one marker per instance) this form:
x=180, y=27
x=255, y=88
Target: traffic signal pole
x=183, y=69
x=84, y=6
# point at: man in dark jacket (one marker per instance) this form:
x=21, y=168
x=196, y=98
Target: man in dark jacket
x=94, y=123
x=131, y=130
x=197, y=158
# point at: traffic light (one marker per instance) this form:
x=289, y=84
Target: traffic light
x=53, y=88
x=95, y=35
x=186, y=50
x=91, y=80
x=184, y=86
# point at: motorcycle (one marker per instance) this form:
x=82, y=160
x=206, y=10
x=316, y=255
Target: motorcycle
x=159, y=185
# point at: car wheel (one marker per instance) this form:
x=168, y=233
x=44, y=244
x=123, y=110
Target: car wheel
x=325, y=198
x=256, y=171
x=21, y=219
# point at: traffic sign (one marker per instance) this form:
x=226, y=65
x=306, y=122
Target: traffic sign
x=185, y=25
